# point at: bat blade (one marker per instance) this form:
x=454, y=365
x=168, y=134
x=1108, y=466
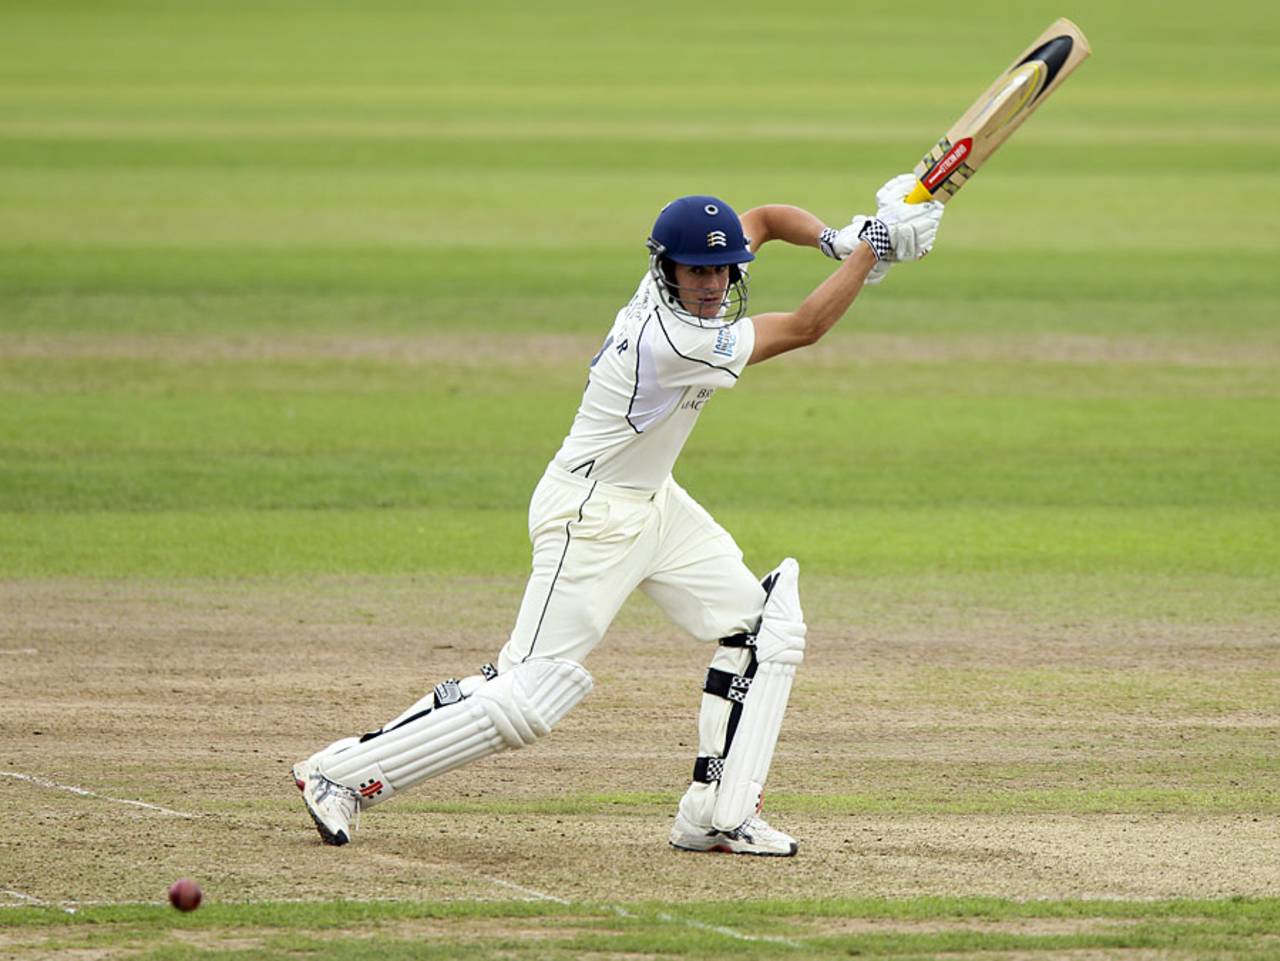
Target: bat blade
x=1003, y=108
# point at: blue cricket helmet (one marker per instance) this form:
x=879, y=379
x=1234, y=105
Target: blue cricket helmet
x=699, y=231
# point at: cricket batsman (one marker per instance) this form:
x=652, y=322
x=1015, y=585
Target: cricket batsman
x=608, y=517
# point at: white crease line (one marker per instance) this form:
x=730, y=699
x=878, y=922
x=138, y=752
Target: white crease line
x=536, y=895
x=73, y=905
x=729, y=932
x=83, y=792
x=622, y=912
x=20, y=650
x=29, y=901
x=529, y=893
x=703, y=926
x=21, y=897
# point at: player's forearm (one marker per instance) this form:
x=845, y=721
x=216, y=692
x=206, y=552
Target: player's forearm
x=832, y=298
x=778, y=333
x=792, y=225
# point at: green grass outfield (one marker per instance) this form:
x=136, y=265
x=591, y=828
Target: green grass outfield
x=309, y=289
x=927, y=927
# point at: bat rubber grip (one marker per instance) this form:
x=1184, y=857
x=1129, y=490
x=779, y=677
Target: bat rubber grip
x=919, y=194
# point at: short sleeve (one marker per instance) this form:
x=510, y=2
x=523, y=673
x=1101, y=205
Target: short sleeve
x=689, y=356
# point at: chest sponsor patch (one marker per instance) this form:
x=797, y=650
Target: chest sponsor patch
x=726, y=342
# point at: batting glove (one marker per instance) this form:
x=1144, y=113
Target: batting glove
x=913, y=228
x=827, y=243
x=839, y=244
x=895, y=188
x=863, y=230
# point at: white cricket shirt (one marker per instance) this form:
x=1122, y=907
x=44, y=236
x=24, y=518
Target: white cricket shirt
x=645, y=391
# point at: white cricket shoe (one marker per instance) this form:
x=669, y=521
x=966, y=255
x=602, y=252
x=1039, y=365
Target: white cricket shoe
x=332, y=806
x=752, y=836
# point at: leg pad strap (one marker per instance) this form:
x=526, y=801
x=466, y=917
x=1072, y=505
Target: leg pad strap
x=708, y=769
x=731, y=687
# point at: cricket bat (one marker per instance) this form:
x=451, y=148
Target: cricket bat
x=1003, y=107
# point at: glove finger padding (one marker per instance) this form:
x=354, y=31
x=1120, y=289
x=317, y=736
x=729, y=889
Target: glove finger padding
x=913, y=228
x=895, y=189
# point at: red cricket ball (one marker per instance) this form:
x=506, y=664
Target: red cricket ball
x=185, y=894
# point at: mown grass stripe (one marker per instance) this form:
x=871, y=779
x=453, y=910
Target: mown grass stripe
x=961, y=276
x=923, y=927
x=864, y=542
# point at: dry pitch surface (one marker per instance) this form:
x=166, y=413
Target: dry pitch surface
x=195, y=698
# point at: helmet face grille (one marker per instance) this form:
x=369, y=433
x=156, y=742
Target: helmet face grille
x=732, y=308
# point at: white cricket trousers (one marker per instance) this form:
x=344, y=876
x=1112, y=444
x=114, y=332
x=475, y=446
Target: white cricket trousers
x=594, y=543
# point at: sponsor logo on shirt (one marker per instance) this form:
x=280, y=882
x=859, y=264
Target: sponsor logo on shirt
x=696, y=401
x=726, y=341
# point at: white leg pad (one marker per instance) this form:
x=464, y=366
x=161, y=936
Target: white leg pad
x=779, y=650
x=512, y=710
x=746, y=768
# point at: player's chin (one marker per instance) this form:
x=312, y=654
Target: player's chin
x=707, y=309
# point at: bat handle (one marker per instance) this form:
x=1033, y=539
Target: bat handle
x=919, y=194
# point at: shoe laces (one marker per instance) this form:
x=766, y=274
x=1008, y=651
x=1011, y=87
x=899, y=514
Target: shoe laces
x=346, y=798
x=350, y=802
x=755, y=825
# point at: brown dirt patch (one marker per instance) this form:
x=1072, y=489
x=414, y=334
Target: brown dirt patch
x=197, y=697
